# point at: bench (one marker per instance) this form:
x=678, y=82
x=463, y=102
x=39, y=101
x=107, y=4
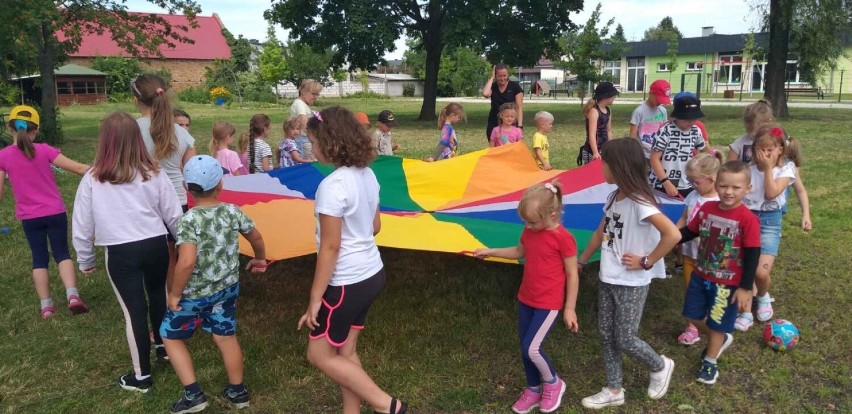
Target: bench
x=555, y=92
x=820, y=94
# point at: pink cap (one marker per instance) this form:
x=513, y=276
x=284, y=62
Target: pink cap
x=662, y=90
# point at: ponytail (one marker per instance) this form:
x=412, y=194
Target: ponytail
x=152, y=91
x=252, y=167
x=257, y=125
x=22, y=140
x=21, y=124
x=450, y=109
x=792, y=150
x=588, y=106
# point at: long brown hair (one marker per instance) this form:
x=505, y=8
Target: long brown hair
x=341, y=138
x=626, y=162
x=757, y=114
x=121, y=153
x=775, y=133
x=152, y=91
x=451, y=109
x=221, y=131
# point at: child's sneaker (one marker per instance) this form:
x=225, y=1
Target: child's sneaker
x=528, y=400
x=764, y=308
x=744, y=321
x=551, y=395
x=76, y=305
x=162, y=355
x=240, y=399
x=708, y=373
x=659, y=384
x=48, y=312
x=690, y=336
x=604, y=399
x=130, y=383
x=190, y=404
x=729, y=339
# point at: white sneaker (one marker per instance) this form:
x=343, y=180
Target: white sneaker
x=604, y=399
x=659, y=384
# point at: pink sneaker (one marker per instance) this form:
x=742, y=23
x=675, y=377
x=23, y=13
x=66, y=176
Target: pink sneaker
x=690, y=336
x=48, y=312
x=528, y=400
x=764, y=308
x=551, y=396
x=76, y=305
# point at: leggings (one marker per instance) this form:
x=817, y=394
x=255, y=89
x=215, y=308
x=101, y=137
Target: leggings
x=41, y=229
x=136, y=270
x=619, y=313
x=533, y=326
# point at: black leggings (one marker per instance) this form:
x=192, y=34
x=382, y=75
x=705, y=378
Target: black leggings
x=137, y=269
x=39, y=231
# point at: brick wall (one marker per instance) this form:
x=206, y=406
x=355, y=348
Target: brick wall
x=185, y=72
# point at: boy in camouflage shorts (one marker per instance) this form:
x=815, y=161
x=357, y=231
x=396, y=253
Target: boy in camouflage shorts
x=205, y=286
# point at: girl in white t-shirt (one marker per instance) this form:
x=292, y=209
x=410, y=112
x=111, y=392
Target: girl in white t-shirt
x=771, y=173
x=633, y=237
x=701, y=174
x=349, y=273
x=220, y=147
x=259, y=151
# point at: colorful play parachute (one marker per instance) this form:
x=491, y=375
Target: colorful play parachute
x=455, y=206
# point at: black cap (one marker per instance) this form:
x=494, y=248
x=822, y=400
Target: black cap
x=687, y=107
x=605, y=90
x=386, y=117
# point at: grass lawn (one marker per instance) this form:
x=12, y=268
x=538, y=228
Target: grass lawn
x=443, y=333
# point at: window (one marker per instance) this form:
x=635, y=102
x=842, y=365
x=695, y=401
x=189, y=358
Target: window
x=791, y=73
x=693, y=66
x=62, y=88
x=613, y=69
x=730, y=69
x=662, y=67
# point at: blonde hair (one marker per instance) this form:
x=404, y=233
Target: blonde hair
x=450, y=109
x=775, y=133
x=589, y=105
x=309, y=86
x=757, y=114
x=221, y=131
x=542, y=116
x=291, y=123
x=547, y=198
x=152, y=91
x=706, y=165
x=508, y=106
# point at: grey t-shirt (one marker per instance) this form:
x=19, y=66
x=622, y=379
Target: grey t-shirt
x=648, y=121
x=173, y=164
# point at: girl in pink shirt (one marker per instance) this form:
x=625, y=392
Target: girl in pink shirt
x=39, y=205
x=220, y=147
x=506, y=132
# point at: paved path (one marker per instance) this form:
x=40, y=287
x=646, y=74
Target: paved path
x=634, y=101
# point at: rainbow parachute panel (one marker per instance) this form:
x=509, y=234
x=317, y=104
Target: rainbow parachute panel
x=454, y=206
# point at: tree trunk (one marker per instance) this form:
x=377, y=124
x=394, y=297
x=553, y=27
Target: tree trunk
x=780, y=18
x=434, y=44
x=49, y=128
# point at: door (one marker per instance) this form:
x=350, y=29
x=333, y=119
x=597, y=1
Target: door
x=757, y=77
x=635, y=75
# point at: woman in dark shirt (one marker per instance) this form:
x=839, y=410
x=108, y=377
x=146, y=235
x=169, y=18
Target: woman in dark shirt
x=501, y=92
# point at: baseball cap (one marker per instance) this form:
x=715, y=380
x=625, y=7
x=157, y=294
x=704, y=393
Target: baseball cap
x=662, y=90
x=386, y=117
x=203, y=171
x=362, y=118
x=15, y=114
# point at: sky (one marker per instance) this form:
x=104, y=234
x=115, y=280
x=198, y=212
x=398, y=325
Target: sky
x=726, y=16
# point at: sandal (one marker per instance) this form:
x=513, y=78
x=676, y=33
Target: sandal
x=403, y=407
x=48, y=312
x=690, y=336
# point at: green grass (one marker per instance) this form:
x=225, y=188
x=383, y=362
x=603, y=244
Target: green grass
x=443, y=333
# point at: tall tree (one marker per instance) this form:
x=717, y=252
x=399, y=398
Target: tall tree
x=585, y=50
x=303, y=62
x=241, y=51
x=516, y=32
x=661, y=31
x=34, y=25
x=618, y=35
x=273, y=68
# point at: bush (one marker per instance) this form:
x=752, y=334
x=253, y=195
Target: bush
x=195, y=94
x=120, y=72
x=10, y=95
x=408, y=90
x=367, y=95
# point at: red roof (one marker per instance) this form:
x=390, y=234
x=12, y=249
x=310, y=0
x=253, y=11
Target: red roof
x=209, y=42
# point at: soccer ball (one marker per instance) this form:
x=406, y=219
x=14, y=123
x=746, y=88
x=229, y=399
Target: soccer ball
x=781, y=335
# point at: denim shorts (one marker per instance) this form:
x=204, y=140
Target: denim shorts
x=216, y=314
x=705, y=299
x=770, y=231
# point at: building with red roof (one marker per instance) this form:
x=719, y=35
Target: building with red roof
x=185, y=61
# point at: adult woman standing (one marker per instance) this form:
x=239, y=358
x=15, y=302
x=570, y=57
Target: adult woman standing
x=500, y=92
x=309, y=90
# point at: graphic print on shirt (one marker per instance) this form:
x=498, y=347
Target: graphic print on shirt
x=649, y=127
x=717, y=255
x=678, y=151
x=746, y=155
x=613, y=229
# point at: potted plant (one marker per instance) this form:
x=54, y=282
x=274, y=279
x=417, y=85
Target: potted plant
x=219, y=95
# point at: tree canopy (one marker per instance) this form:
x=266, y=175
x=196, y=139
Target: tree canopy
x=33, y=26
x=585, y=49
x=516, y=32
x=665, y=30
